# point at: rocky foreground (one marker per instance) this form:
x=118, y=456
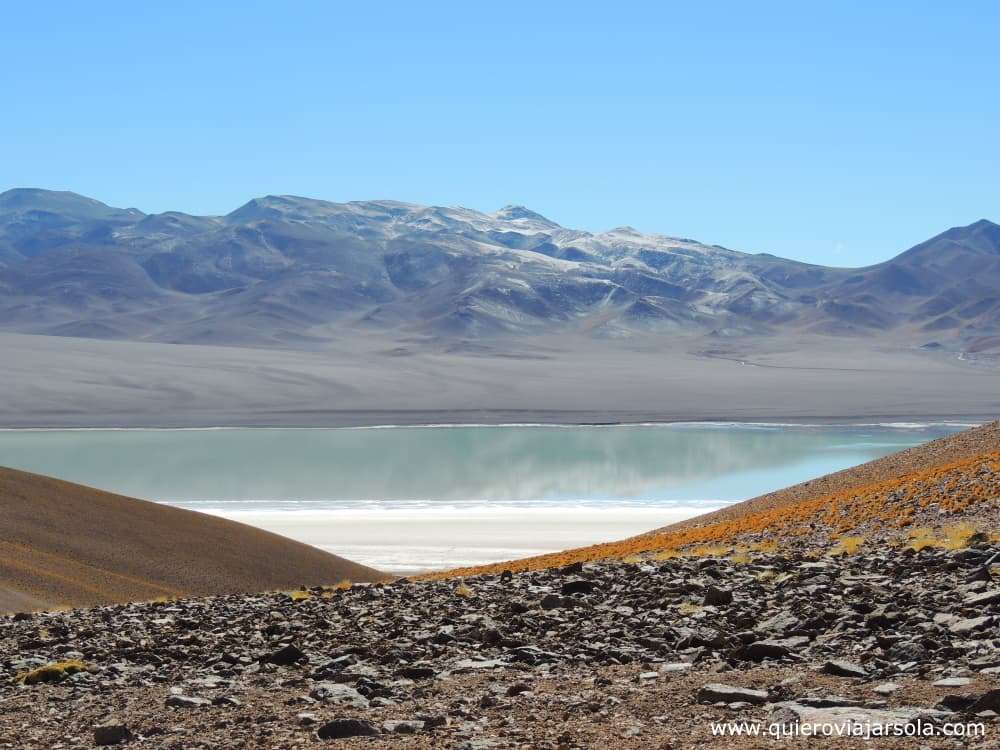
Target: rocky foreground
x=642, y=655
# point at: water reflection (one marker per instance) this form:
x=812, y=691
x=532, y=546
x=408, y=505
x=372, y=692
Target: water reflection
x=654, y=463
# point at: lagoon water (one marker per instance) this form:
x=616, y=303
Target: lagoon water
x=413, y=498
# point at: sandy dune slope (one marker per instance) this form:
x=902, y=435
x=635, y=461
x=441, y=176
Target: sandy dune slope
x=63, y=544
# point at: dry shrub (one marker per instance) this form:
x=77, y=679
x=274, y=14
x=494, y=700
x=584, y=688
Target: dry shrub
x=740, y=556
x=54, y=672
x=666, y=554
x=846, y=545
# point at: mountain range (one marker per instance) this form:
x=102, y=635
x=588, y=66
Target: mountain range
x=291, y=271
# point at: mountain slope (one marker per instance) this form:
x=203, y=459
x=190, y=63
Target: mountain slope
x=946, y=487
x=63, y=544
x=289, y=271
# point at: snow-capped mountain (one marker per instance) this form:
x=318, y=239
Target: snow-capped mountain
x=284, y=270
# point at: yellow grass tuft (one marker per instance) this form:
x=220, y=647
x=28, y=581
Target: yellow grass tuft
x=464, y=591
x=846, y=545
x=54, y=672
x=710, y=550
x=329, y=593
x=956, y=536
x=666, y=554
x=299, y=596
x=921, y=538
x=687, y=608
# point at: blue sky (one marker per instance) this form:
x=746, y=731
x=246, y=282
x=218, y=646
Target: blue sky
x=837, y=133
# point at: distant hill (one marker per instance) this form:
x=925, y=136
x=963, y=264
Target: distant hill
x=290, y=271
x=63, y=544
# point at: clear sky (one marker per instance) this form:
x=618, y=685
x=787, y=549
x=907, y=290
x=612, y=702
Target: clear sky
x=837, y=132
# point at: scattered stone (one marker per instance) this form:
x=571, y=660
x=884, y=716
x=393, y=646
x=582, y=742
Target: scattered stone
x=971, y=625
x=187, y=701
x=517, y=688
x=840, y=668
x=841, y=719
x=681, y=666
x=981, y=600
x=719, y=693
x=951, y=682
x=403, y=727
x=886, y=688
x=338, y=694
x=375, y=651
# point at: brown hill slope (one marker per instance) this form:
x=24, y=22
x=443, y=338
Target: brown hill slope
x=938, y=493
x=62, y=544
x=962, y=445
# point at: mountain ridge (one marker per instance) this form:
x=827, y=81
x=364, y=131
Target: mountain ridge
x=289, y=270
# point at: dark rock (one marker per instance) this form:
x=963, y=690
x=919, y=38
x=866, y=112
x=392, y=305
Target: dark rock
x=111, y=734
x=773, y=649
x=517, y=688
x=841, y=668
x=339, y=729
x=434, y=721
x=416, y=672
x=551, y=601
x=960, y=703
x=285, y=656
x=988, y=701
x=715, y=596
x=579, y=586
x=835, y=701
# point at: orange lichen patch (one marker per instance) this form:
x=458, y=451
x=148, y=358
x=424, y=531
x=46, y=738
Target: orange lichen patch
x=886, y=505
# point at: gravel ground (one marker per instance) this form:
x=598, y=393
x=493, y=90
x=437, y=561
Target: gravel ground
x=603, y=655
